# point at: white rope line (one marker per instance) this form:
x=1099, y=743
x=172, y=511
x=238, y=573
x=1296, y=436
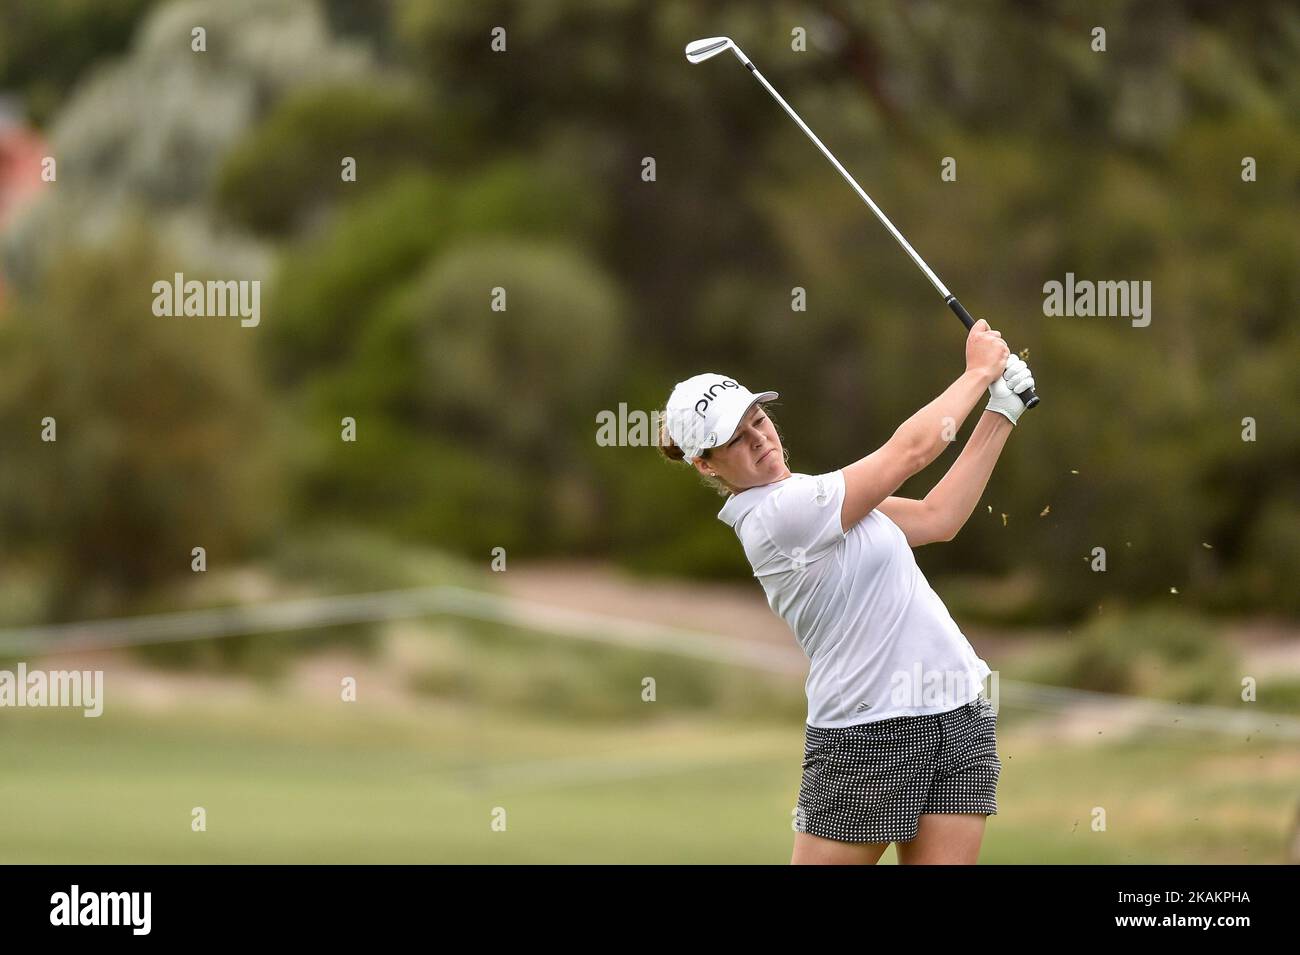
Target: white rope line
x=307, y=613
x=312, y=612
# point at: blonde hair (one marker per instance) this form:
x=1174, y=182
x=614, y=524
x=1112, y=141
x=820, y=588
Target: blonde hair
x=669, y=449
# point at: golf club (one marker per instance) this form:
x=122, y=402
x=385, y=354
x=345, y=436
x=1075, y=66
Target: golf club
x=701, y=50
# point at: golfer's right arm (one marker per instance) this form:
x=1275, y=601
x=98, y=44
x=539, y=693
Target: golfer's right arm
x=922, y=438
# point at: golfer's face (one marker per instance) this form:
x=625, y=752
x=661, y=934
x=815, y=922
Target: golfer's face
x=753, y=456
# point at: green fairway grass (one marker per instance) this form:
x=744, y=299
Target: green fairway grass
x=303, y=779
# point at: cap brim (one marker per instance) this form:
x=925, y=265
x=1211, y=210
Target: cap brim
x=733, y=425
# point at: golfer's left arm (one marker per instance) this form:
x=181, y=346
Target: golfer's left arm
x=953, y=499
x=949, y=505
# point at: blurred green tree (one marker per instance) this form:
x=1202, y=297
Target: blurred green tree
x=47, y=45
x=162, y=433
x=285, y=174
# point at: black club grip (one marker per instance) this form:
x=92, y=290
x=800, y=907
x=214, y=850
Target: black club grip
x=1027, y=396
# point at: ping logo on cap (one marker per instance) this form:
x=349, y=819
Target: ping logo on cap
x=707, y=398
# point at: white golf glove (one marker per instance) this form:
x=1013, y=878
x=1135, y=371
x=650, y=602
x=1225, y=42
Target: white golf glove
x=1004, y=393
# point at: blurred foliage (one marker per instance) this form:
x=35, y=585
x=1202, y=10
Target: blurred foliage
x=46, y=45
x=1120, y=165
x=346, y=558
x=291, y=164
x=334, y=558
x=150, y=130
x=469, y=420
x=159, y=123
x=1154, y=652
x=161, y=441
x=504, y=669
x=266, y=657
x=330, y=279
x=522, y=170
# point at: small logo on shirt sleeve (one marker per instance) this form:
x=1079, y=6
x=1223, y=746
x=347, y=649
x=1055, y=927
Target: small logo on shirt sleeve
x=821, y=496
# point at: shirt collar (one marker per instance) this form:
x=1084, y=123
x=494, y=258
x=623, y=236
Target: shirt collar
x=738, y=505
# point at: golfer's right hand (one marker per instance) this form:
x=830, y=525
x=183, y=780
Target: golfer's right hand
x=986, y=352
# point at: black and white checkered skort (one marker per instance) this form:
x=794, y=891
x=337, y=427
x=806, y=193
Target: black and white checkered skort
x=869, y=782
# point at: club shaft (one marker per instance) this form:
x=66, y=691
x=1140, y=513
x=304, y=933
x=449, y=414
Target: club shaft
x=884, y=220
x=1028, y=396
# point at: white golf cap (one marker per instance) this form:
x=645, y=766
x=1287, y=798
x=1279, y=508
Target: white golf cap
x=705, y=411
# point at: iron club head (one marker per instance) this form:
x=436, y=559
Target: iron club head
x=697, y=51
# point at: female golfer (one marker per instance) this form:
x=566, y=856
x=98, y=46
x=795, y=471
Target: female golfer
x=900, y=746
